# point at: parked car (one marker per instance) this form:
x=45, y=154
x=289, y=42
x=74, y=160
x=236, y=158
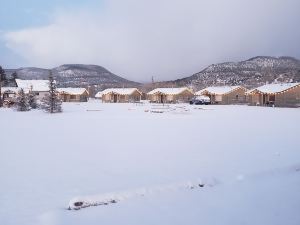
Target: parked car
x=200, y=100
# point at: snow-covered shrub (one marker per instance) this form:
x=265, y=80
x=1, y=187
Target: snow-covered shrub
x=22, y=101
x=32, y=100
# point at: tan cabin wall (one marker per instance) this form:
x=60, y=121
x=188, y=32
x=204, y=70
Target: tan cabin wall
x=157, y=98
x=235, y=97
x=110, y=98
x=254, y=99
x=291, y=98
x=185, y=96
x=74, y=98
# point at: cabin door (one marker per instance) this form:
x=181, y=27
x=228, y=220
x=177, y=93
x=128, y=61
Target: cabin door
x=115, y=98
x=265, y=99
x=161, y=99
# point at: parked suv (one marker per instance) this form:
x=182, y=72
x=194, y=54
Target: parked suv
x=200, y=100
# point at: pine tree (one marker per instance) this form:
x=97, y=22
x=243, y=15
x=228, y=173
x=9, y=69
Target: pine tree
x=21, y=101
x=32, y=100
x=2, y=79
x=51, y=102
x=14, y=76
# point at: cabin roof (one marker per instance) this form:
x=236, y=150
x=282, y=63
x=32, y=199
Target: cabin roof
x=119, y=91
x=219, y=90
x=169, y=91
x=99, y=94
x=9, y=89
x=72, y=91
x=35, y=85
x=274, y=88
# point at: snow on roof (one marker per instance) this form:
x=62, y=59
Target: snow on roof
x=274, y=88
x=72, y=91
x=120, y=91
x=10, y=89
x=169, y=91
x=99, y=94
x=35, y=85
x=219, y=90
x=249, y=91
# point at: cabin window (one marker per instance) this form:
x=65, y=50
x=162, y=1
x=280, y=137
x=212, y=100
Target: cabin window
x=72, y=97
x=272, y=98
x=237, y=97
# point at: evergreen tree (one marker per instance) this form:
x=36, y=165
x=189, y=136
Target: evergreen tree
x=21, y=101
x=14, y=76
x=32, y=100
x=2, y=79
x=51, y=102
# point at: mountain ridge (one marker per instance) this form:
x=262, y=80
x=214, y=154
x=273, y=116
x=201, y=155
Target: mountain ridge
x=250, y=73
x=90, y=76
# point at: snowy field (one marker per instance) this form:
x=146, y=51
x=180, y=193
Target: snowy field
x=247, y=160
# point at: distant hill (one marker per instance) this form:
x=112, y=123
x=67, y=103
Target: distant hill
x=250, y=73
x=76, y=75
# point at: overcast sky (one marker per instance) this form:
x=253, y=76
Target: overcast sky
x=139, y=39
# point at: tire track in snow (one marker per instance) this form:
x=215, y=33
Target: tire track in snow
x=114, y=197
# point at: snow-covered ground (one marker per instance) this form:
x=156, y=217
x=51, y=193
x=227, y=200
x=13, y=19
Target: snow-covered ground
x=248, y=159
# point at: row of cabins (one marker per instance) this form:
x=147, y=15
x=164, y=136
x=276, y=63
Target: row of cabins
x=159, y=95
x=279, y=95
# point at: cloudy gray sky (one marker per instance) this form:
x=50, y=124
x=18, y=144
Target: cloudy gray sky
x=138, y=39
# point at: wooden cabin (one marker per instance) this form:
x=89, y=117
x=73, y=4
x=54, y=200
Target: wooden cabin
x=170, y=95
x=120, y=95
x=73, y=94
x=39, y=87
x=225, y=95
x=279, y=95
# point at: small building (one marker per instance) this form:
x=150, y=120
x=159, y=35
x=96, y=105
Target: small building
x=225, y=95
x=279, y=95
x=39, y=87
x=120, y=95
x=170, y=95
x=73, y=94
x=8, y=95
x=98, y=95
